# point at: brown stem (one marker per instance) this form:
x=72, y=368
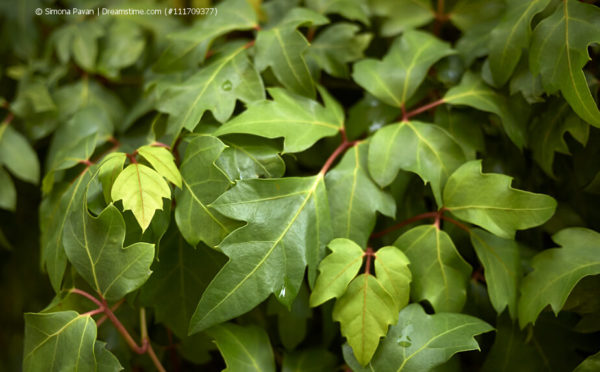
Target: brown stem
x=422, y=109
x=160, y=144
x=369, y=253
x=310, y=34
x=9, y=117
x=458, y=224
x=86, y=295
x=338, y=151
x=401, y=224
x=113, y=308
x=440, y=18
x=94, y=312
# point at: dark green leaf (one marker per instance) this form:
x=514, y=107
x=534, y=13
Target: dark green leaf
x=440, y=274
x=488, y=200
x=397, y=76
x=354, y=198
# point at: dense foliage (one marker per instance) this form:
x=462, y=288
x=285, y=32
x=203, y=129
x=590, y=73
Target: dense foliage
x=366, y=185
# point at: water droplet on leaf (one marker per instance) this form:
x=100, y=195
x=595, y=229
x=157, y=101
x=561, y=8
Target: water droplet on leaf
x=227, y=85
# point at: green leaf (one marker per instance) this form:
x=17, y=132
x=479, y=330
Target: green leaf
x=464, y=128
x=8, y=193
x=64, y=341
x=285, y=116
x=401, y=15
x=489, y=201
x=440, y=273
x=109, y=170
x=282, y=48
x=188, y=47
x=250, y=157
x=336, y=270
x=124, y=44
x=510, y=36
x=425, y=149
x=94, y=245
x=141, y=188
x=590, y=364
x=292, y=323
x=203, y=182
x=266, y=257
x=357, y=10
x=397, y=76
x=391, y=267
x=557, y=271
x=559, y=51
x=17, y=155
x=365, y=311
x=469, y=14
x=216, y=87
x=473, y=92
x=354, y=198
x=336, y=46
x=244, y=348
x=309, y=360
x=420, y=342
x=55, y=211
x=502, y=267
x=548, y=130
x=162, y=161
x=179, y=276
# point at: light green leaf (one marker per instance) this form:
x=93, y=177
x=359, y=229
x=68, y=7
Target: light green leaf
x=141, y=189
x=285, y=116
x=17, y=155
x=94, y=245
x=244, y=348
x=110, y=168
x=365, y=311
x=337, y=270
x=548, y=130
x=337, y=45
x=216, y=87
x=354, y=198
x=391, y=267
x=8, y=193
x=473, y=92
x=559, y=51
x=251, y=157
x=510, y=36
x=203, y=182
x=309, y=360
x=425, y=149
x=357, y=10
x=397, y=76
x=282, y=48
x=54, y=213
x=62, y=341
x=188, y=47
x=557, y=271
x=179, y=276
x=420, y=342
x=266, y=257
x=401, y=15
x=440, y=273
x=489, y=201
x=162, y=161
x=502, y=268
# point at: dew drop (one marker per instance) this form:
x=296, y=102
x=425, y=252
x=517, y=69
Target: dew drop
x=404, y=341
x=282, y=292
x=227, y=86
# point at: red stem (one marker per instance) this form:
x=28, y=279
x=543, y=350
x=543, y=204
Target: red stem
x=87, y=295
x=422, y=109
x=160, y=144
x=123, y=331
x=458, y=224
x=369, y=253
x=338, y=151
x=401, y=224
x=94, y=312
x=9, y=117
x=113, y=308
